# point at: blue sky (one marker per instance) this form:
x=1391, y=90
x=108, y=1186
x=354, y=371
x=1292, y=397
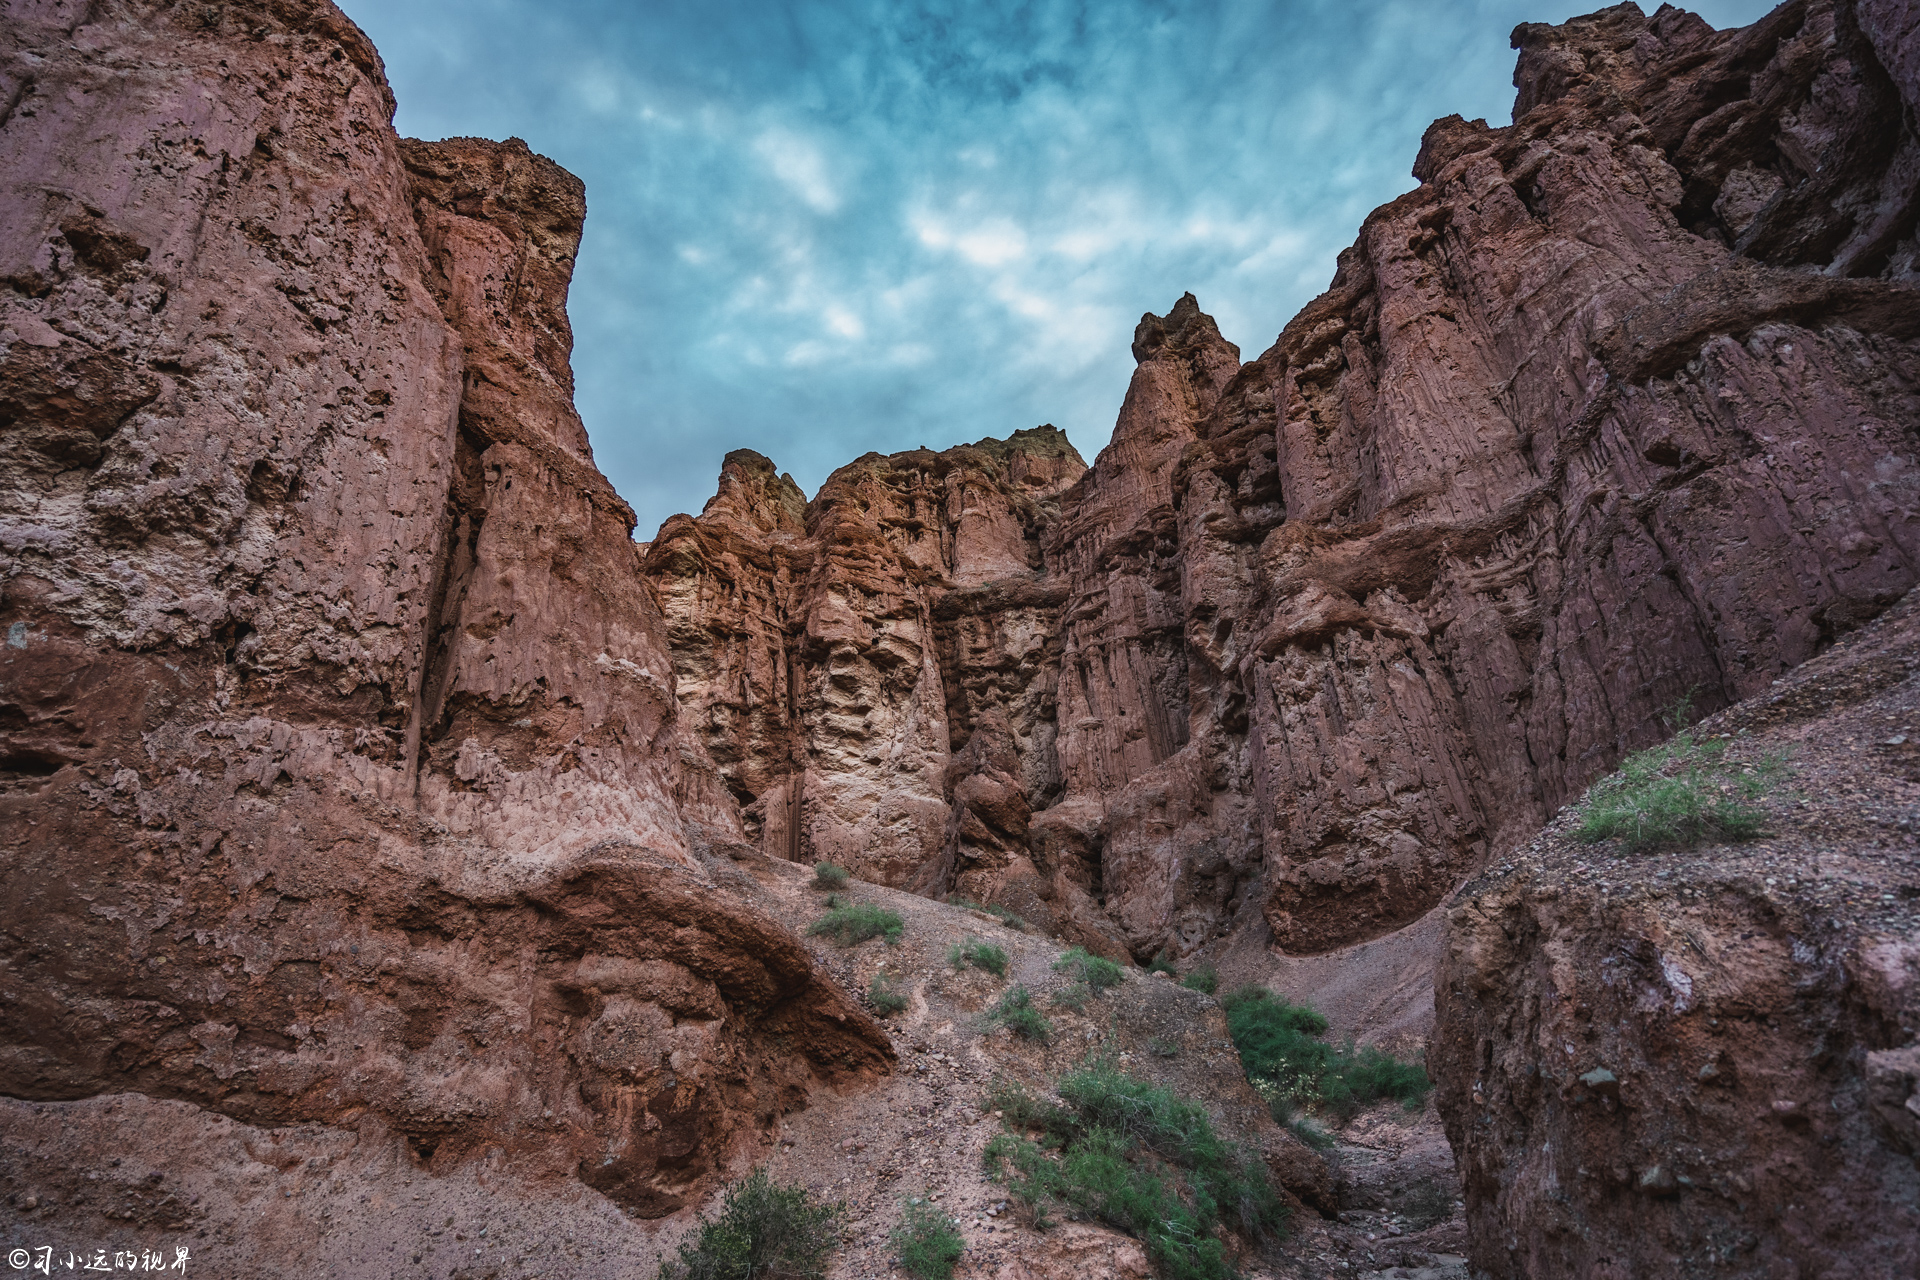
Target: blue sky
x=818, y=229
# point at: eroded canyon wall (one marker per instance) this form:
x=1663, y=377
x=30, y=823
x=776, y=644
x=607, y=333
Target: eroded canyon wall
x=1618, y=404
x=343, y=776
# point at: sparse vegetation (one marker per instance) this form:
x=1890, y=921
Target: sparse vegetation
x=1073, y=997
x=851, y=923
x=1291, y=1066
x=1160, y=1047
x=979, y=954
x=1683, y=792
x=1016, y=1011
x=1005, y=915
x=929, y=1246
x=882, y=995
x=1139, y=1158
x=762, y=1230
x=828, y=876
x=1205, y=979
x=1160, y=964
x=1097, y=972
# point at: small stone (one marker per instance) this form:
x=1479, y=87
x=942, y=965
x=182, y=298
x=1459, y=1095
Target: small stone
x=1659, y=1181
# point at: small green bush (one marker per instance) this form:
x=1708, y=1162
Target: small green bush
x=1016, y=1011
x=881, y=994
x=981, y=955
x=1681, y=793
x=1282, y=1053
x=1073, y=997
x=856, y=922
x=828, y=876
x=1139, y=1158
x=762, y=1230
x=1311, y=1134
x=1160, y=964
x=1205, y=979
x=1097, y=972
x=1005, y=915
x=929, y=1246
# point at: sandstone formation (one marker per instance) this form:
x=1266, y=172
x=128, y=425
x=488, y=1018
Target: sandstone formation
x=343, y=776
x=1704, y=1062
x=375, y=807
x=1619, y=403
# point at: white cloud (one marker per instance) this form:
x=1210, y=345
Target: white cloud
x=797, y=162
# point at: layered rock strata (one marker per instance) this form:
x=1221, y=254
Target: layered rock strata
x=342, y=773
x=1619, y=403
x=1705, y=1061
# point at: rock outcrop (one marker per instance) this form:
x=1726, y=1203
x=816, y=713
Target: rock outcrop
x=1697, y=1061
x=344, y=781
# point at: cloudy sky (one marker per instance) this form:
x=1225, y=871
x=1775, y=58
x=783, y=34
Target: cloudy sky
x=821, y=228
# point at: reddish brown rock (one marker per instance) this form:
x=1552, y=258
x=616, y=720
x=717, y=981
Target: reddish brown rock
x=1671, y=1063
x=342, y=773
x=836, y=656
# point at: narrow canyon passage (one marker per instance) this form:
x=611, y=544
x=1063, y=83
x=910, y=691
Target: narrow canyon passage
x=406, y=870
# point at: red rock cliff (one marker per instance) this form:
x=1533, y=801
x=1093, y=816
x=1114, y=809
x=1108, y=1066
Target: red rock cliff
x=1618, y=403
x=344, y=780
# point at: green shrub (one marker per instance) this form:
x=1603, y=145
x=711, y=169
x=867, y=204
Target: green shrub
x=1015, y=1010
x=1005, y=915
x=1160, y=964
x=1282, y=1053
x=882, y=996
x=1097, y=972
x=929, y=1246
x=1073, y=997
x=1139, y=1158
x=981, y=955
x=828, y=876
x=1205, y=979
x=1311, y=1134
x=1681, y=793
x=762, y=1230
x=856, y=922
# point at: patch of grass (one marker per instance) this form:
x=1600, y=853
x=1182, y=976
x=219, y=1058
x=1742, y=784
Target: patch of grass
x=929, y=1246
x=828, y=876
x=762, y=1229
x=1205, y=980
x=1139, y=1158
x=1005, y=915
x=1160, y=964
x=1097, y=972
x=850, y=923
x=882, y=995
x=1016, y=1010
x=1073, y=997
x=1681, y=793
x=981, y=955
x=1283, y=1055
x=1311, y=1134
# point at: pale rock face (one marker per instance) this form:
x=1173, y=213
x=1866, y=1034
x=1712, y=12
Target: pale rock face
x=835, y=656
